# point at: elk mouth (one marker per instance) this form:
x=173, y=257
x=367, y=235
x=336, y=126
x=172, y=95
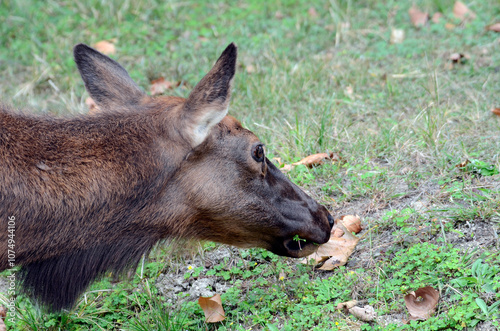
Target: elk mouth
x=298, y=247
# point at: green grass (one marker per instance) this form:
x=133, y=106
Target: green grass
x=401, y=116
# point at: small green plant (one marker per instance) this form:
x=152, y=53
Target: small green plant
x=297, y=239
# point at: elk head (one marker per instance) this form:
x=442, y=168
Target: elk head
x=220, y=186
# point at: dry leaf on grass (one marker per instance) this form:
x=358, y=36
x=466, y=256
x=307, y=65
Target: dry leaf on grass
x=317, y=159
x=463, y=164
x=349, y=91
x=436, y=17
x=493, y=27
x=496, y=111
x=459, y=58
x=310, y=161
x=397, y=36
x=352, y=223
x=461, y=11
x=212, y=307
x=347, y=305
x=93, y=107
x=312, y=12
x=160, y=85
x=422, y=303
x=418, y=18
x=449, y=26
x=336, y=251
x=106, y=47
x=365, y=314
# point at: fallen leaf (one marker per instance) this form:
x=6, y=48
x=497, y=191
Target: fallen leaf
x=493, y=27
x=160, y=85
x=310, y=161
x=277, y=159
x=312, y=12
x=106, y=47
x=250, y=69
x=459, y=58
x=93, y=107
x=461, y=11
x=212, y=307
x=317, y=159
x=436, y=17
x=365, y=314
x=417, y=17
x=347, y=304
x=337, y=233
x=336, y=251
x=352, y=223
x=463, y=164
x=422, y=303
x=449, y=26
x=496, y=111
x=349, y=91
x=397, y=36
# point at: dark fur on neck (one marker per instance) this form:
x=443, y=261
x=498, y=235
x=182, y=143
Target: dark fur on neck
x=57, y=282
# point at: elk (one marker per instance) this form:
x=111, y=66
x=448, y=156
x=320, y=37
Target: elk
x=80, y=196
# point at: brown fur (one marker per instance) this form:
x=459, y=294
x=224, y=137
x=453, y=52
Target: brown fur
x=94, y=193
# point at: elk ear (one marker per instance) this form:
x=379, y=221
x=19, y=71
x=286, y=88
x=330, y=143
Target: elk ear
x=105, y=80
x=207, y=104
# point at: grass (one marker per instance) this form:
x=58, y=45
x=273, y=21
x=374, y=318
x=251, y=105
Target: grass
x=402, y=116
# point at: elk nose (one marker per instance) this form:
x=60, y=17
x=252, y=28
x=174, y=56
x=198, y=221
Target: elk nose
x=330, y=220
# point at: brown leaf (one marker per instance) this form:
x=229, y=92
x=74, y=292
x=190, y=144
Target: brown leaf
x=496, y=111
x=312, y=12
x=349, y=91
x=347, y=305
x=461, y=11
x=160, y=85
x=106, y=47
x=93, y=107
x=463, y=164
x=212, y=307
x=336, y=251
x=337, y=233
x=459, y=58
x=436, y=17
x=317, y=159
x=278, y=159
x=449, y=26
x=365, y=314
x=418, y=18
x=352, y=223
x=250, y=68
x=422, y=303
x=493, y=27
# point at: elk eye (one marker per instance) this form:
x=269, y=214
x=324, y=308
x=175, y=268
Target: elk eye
x=258, y=153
